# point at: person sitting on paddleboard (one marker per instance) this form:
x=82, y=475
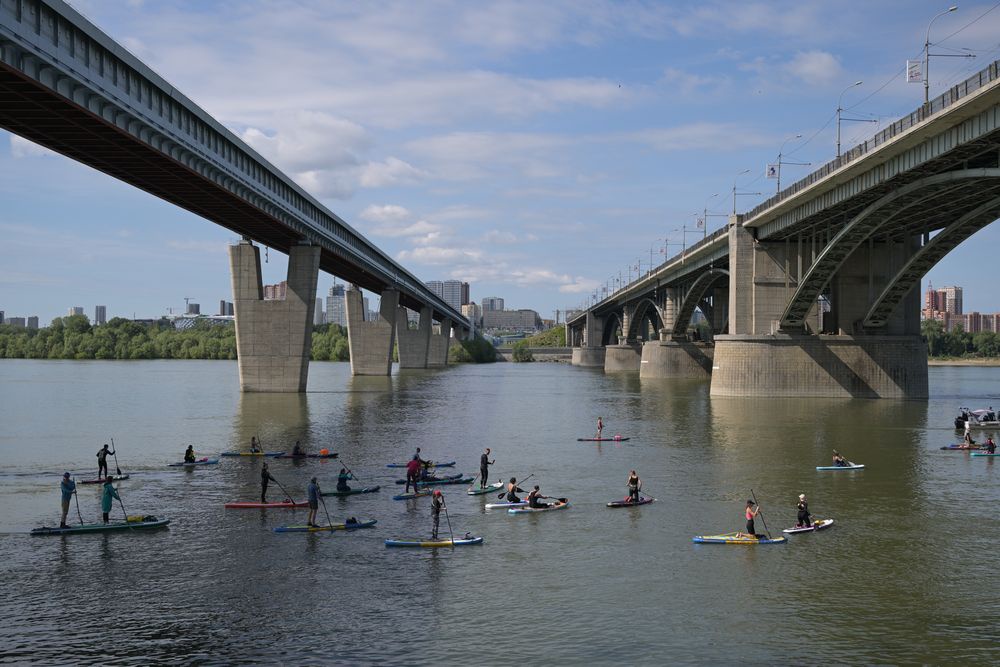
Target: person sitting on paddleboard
x=412, y=473
x=484, y=468
x=839, y=460
x=254, y=445
x=107, y=495
x=265, y=477
x=297, y=449
x=634, y=484
x=102, y=461
x=312, y=495
x=68, y=488
x=990, y=446
x=751, y=512
x=804, y=519
x=534, y=496
x=437, y=503
x=512, y=490
x=189, y=454
x=342, y=480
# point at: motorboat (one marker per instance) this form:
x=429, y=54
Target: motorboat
x=985, y=418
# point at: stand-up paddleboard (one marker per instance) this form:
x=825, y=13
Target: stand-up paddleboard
x=457, y=475
x=347, y=525
x=249, y=505
x=457, y=542
x=432, y=464
x=307, y=456
x=251, y=453
x=367, y=489
x=101, y=480
x=735, y=538
x=561, y=504
x=628, y=503
x=819, y=524
x=147, y=523
x=200, y=462
x=489, y=488
x=984, y=454
x=853, y=466
x=440, y=482
x=411, y=495
x=505, y=505
x=614, y=439
x=964, y=448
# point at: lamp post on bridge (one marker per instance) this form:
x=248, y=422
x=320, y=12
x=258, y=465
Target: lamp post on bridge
x=840, y=110
x=705, y=215
x=928, y=54
x=780, y=162
x=735, y=193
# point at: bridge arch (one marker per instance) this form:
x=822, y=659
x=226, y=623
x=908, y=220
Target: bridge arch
x=694, y=295
x=645, y=315
x=860, y=228
x=612, y=329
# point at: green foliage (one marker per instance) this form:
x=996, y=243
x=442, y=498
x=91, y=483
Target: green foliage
x=521, y=352
x=476, y=350
x=958, y=342
x=554, y=337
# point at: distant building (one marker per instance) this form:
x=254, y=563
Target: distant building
x=193, y=309
x=1, y=317
x=276, y=292
x=512, y=320
x=474, y=314
x=951, y=300
x=188, y=321
x=100, y=314
x=222, y=307
x=465, y=295
x=16, y=322
x=453, y=292
x=973, y=322
x=75, y=310
x=336, y=307
x=318, y=312
x=230, y=310
x=33, y=322
x=492, y=303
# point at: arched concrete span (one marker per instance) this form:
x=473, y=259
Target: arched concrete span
x=612, y=325
x=645, y=314
x=694, y=295
x=925, y=259
x=861, y=227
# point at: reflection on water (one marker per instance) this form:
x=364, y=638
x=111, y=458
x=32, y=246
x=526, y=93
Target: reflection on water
x=276, y=420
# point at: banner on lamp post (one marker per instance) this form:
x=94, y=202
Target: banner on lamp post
x=771, y=171
x=914, y=71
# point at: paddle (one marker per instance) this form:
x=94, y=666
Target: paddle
x=114, y=452
x=450, y=531
x=326, y=512
x=518, y=484
x=78, y=513
x=761, y=514
x=122, y=504
x=287, y=495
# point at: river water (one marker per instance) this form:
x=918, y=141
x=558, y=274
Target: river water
x=906, y=574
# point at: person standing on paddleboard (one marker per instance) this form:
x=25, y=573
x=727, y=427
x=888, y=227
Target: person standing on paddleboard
x=513, y=490
x=68, y=488
x=804, y=519
x=751, y=512
x=312, y=495
x=107, y=496
x=437, y=504
x=600, y=427
x=189, y=454
x=412, y=473
x=102, y=461
x=633, y=484
x=484, y=468
x=265, y=477
x=342, y=480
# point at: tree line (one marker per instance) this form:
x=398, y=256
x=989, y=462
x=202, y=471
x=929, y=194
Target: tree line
x=958, y=342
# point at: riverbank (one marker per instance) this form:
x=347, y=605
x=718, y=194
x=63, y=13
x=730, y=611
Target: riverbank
x=991, y=361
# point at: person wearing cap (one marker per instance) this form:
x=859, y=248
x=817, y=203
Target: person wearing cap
x=752, y=510
x=804, y=519
x=265, y=477
x=102, y=461
x=484, y=468
x=312, y=495
x=68, y=488
x=189, y=454
x=106, y=497
x=437, y=503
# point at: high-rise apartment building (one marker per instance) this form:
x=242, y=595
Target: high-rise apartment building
x=492, y=303
x=336, y=306
x=193, y=308
x=1, y=317
x=225, y=308
x=16, y=322
x=465, y=294
x=100, y=314
x=950, y=300
x=318, y=312
x=276, y=291
x=453, y=292
x=230, y=310
x=75, y=310
x=33, y=322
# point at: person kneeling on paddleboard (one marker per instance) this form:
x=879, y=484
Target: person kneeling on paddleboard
x=751, y=512
x=342, y=480
x=804, y=519
x=297, y=449
x=990, y=446
x=312, y=495
x=437, y=502
x=839, y=460
x=534, y=497
x=189, y=454
x=633, y=484
x=513, y=490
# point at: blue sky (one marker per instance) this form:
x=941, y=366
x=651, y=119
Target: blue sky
x=531, y=149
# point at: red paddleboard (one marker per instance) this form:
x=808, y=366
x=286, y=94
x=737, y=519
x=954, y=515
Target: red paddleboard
x=253, y=505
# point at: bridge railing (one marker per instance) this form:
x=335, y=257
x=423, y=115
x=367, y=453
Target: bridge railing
x=939, y=103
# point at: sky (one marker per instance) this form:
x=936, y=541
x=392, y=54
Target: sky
x=533, y=149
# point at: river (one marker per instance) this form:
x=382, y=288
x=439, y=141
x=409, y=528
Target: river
x=905, y=575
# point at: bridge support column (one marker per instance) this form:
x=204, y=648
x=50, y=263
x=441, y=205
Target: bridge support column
x=675, y=359
x=624, y=357
x=371, y=342
x=437, y=355
x=806, y=365
x=413, y=344
x=273, y=338
x=588, y=357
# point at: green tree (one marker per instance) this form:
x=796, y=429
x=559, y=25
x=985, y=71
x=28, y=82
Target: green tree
x=522, y=352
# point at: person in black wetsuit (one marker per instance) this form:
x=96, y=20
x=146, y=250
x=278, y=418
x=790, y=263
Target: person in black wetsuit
x=342, y=480
x=512, y=490
x=437, y=503
x=189, y=454
x=297, y=449
x=265, y=477
x=534, y=497
x=102, y=461
x=484, y=468
x=839, y=460
x=990, y=446
x=804, y=519
x=634, y=484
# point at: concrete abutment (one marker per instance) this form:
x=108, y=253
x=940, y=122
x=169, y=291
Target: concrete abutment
x=588, y=357
x=622, y=358
x=371, y=343
x=676, y=359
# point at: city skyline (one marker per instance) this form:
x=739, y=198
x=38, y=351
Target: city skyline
x=534, y=161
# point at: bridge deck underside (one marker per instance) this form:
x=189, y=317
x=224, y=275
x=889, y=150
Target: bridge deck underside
x=36, y=113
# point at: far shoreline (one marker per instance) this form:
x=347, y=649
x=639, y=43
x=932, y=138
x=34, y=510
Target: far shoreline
x=993, y=361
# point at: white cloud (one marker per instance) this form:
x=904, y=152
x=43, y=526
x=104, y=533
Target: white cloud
x=388, y=213
x=700, y=136
x=436, y=255
x=815, y=67
x=21, y=148
x=497, y=236
x=392, y=171
x=464, y=156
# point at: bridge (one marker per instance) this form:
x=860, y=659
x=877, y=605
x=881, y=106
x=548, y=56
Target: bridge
x=67, y=86
x=816, y=290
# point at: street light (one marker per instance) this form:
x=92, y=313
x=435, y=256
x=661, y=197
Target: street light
x=927, y=53
x=705, y=215
x=745, y=171
x=840, y=109
x=780, y=150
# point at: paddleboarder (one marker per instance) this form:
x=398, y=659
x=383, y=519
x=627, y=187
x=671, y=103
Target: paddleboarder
x=839, y=460
x=102, y=461
x=804, y=519
x=600, y=427
x=634, y=484
x=265, y=477
x=189, y=454
x=752, y=510
x=989, y=445
x=254, y=445
x=412, y=473
x=297, y=449
x=417, y=457
x=968, y=438
x=107, y=496
x=68, y=488
x=312, y=494
x=437, y=503
x=513, y=490
x=342, y=480
x=484, y=468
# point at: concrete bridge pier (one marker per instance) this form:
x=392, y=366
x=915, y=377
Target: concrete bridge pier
x=413, y=344
x=667, y=358
x=437, y=355
x=371, y=343
x=622, y=357
x=273, y=338
x=588, y=357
